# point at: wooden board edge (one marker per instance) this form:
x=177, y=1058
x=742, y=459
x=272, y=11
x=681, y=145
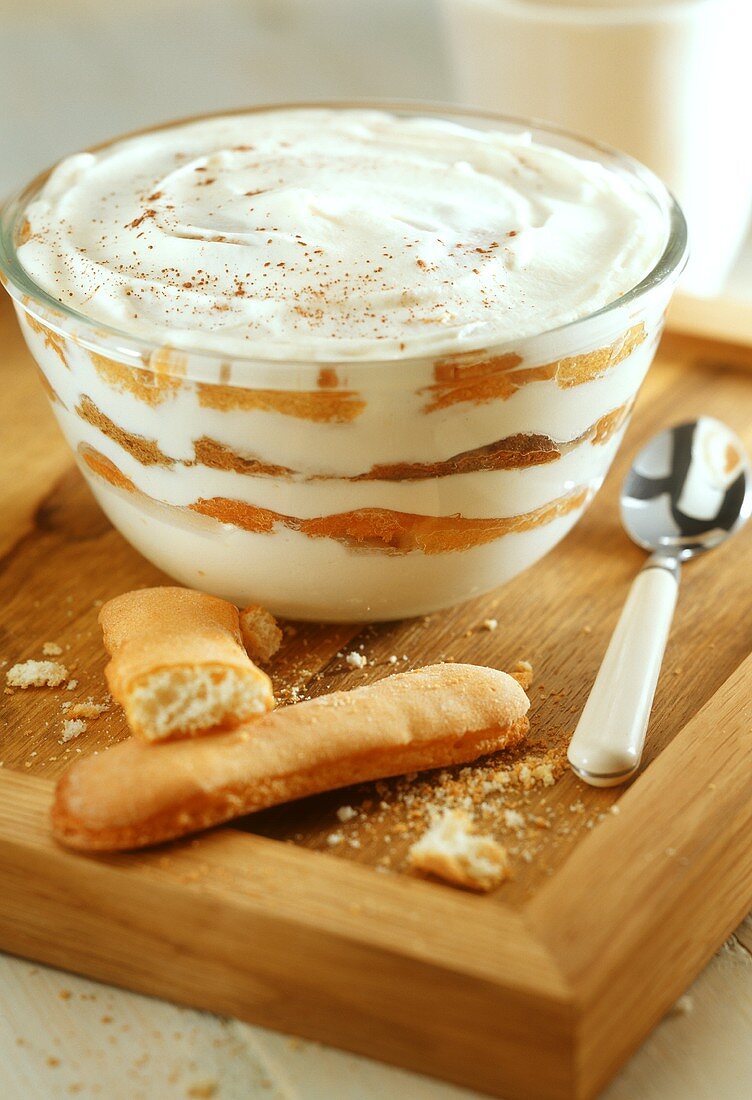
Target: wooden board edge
x=369, y=973
x=644, y=901
x=727, y=320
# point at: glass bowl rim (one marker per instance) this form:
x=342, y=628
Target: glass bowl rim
x=100, y=334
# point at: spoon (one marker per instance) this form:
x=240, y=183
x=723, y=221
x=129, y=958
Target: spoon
x=688, y=490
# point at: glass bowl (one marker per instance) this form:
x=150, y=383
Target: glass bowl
x=350, y=490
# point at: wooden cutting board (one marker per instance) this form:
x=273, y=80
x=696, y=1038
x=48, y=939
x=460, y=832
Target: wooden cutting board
x=298, y=920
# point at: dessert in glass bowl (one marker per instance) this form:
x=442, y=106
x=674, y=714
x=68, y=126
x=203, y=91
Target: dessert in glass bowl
x=349, y=362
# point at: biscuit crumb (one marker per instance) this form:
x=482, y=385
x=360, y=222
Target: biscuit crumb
x=450, y=850
x=346, y=813
x=682, y=1007
x=52, y=649
x=72, y=685
x=334, y=839
x=356, y=660
x=544, y=772
x=202, y=1090
x=522, y=672
x=87, y=709
x=261, y=633
x=72, y=727
x=30, y=674
x=490, y=624
x=525, y=777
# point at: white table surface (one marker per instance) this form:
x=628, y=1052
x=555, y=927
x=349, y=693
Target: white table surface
x=61, y=1035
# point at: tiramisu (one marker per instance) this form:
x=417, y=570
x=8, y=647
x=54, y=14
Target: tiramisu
x=346, y=363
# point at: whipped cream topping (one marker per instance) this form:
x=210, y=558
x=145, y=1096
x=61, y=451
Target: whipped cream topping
x=325, y=234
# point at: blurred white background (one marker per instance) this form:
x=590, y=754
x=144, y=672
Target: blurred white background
x=74, y=72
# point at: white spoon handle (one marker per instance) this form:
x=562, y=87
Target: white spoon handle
x=607, y=745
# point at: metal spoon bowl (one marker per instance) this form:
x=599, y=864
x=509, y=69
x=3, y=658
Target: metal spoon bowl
x=688, y=489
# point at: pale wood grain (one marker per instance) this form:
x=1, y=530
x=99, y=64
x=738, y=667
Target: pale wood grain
x=62, y=1035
